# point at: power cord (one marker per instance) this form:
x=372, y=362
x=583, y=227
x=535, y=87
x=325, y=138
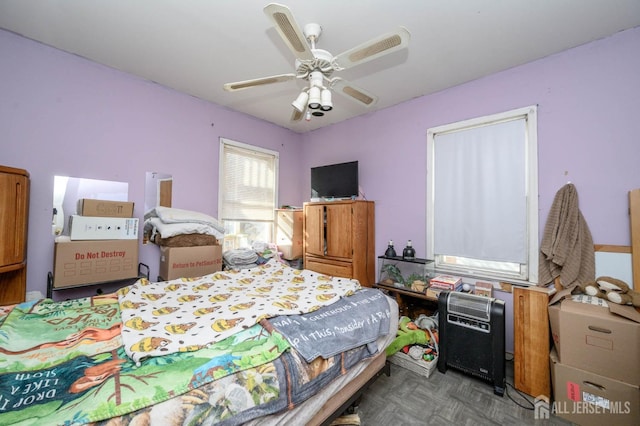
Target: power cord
x=524, y=396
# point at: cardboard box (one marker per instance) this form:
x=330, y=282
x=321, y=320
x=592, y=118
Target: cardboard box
x=482, y=288
x=189, y=262
x=434, y=293
x=446, y=282
x=289, y=233
x=104, y=208
x=88, y=262
x=589, y=399
x=594, y=339
x=102, y=228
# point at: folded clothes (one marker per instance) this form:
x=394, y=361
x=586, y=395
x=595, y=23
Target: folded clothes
x=240, y=256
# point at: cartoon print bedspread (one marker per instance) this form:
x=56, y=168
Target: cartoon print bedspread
x=271, y=388
x=189, y=313
x=63, y=363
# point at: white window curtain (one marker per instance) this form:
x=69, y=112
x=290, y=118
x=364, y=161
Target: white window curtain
x=482, y=208
x=248, y=182
x=480, y=190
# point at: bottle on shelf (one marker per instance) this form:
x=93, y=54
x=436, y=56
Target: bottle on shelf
x=391, y=252
x=409, y=253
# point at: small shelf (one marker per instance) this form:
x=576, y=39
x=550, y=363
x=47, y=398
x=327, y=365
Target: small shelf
x=124, y=282
x=401, y=259
x=406, y=291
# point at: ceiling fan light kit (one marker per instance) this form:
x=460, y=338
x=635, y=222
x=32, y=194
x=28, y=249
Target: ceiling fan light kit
x=314, y=97
x=318, y=65
x=325, y=100
x=301, y=101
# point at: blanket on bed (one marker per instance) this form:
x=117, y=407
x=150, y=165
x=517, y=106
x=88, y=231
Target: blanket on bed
x=64, y=363
x=336, y=328
x=250, y=394
x=190, y=313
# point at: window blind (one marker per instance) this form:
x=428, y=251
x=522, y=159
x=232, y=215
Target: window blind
x=480, y=205
x=248, y=191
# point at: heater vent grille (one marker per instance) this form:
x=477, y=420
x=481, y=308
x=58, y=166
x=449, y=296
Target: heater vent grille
x=477, y=307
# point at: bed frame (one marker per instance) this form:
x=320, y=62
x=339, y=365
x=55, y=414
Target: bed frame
x=351, y=393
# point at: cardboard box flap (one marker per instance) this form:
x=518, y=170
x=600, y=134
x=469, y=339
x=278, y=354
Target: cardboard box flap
x=562, y=294
x=627, y=311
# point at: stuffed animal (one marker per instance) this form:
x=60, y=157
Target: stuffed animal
x=611, y=289
x=408, y=334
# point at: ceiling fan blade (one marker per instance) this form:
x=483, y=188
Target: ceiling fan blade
x=353, y=92
x=374, y=48
x=246, y=84
x=289, y=30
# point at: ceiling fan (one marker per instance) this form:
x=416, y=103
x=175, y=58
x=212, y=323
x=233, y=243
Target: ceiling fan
x=318, y=65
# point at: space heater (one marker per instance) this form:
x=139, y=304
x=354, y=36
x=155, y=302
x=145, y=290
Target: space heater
x=472, y=336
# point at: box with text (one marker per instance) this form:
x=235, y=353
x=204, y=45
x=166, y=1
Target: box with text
x=445, y=282
x=589, y=399
x=88, y=262
x=189, y=262
x=102, y=228
x=104, y=208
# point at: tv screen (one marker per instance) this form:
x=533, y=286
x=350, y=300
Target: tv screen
x=335, y=180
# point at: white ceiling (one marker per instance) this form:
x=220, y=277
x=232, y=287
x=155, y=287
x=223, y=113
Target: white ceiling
x=195, y=46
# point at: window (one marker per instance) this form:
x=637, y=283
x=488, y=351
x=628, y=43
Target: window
x=247, y=193
x=482, y=196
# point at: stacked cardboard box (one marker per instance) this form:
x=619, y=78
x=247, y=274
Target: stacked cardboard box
x=594, y=366
x=102, y=246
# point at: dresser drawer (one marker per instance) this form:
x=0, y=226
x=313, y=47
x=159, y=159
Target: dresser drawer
x=329, y=267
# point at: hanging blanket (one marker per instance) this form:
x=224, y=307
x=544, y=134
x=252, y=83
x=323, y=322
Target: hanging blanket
x=190, y=313
x=63, y=363
x=566, y=249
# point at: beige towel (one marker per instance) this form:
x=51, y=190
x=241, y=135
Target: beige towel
x=566, y=250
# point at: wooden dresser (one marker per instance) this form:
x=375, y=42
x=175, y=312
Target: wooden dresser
x=339, y=239
x=14, y=217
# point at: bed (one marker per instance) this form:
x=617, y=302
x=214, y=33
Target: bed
x=270, y=345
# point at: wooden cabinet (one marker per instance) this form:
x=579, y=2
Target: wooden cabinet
x=289, y=233
x=339, y=239
x=14, y=215
x=532, y=340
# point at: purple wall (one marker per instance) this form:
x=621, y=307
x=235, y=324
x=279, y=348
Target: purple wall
x=63, y=115
x=588, y=133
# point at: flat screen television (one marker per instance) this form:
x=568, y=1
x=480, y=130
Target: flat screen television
x=335, y=181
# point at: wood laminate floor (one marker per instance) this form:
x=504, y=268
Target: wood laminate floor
x=453, y=398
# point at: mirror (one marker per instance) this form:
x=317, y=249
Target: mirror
x=157, y=192
x=68, y=190
x=158, y=187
